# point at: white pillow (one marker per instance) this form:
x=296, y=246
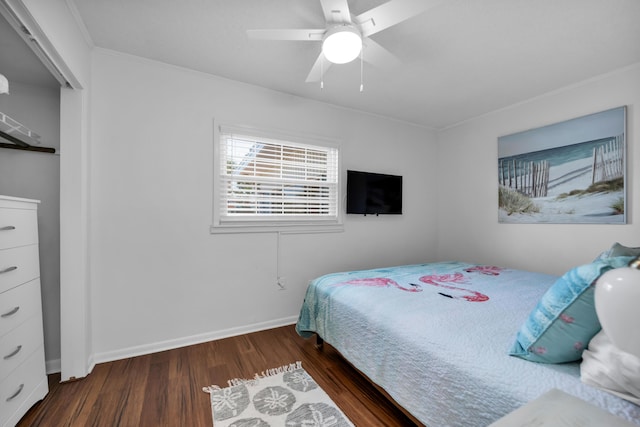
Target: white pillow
x=606, y=367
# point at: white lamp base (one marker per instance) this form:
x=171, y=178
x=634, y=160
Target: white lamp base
x=617, y=300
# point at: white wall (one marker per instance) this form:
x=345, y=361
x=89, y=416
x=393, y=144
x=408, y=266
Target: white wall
x=468, y=226
x=36, y=176
x=159, y=278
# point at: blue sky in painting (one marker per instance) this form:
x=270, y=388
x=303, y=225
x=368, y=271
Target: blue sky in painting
x=582, y=129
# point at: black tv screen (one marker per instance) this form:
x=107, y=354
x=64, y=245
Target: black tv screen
x=373, y=193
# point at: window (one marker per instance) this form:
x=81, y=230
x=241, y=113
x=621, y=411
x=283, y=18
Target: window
x=266, y=180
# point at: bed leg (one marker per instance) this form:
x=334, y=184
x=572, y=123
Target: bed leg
x=319, y=342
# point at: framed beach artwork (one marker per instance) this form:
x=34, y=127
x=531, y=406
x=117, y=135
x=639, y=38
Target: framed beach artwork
x=568, y=172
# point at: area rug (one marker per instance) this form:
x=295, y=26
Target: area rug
x=281, y=397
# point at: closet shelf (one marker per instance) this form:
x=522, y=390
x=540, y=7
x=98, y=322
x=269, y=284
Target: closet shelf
x=16, y=129
x=19, y=136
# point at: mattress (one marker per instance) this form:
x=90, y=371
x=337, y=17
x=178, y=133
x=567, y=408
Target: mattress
x=436, y=338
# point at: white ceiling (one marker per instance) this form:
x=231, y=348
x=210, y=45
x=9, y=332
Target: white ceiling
x=458, y=60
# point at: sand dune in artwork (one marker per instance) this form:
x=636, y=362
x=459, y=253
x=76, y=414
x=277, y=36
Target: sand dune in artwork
x=587, y=208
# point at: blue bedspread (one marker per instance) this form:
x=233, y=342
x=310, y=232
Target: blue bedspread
x=436, y=337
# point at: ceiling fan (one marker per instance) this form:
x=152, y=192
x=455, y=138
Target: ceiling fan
x=346, y=36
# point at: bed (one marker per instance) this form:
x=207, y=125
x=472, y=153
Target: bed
x=437, y=339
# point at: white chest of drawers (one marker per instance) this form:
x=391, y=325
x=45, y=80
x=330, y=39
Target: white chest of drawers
x=23, y=379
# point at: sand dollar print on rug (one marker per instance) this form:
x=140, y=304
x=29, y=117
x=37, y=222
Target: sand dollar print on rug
x=286, y=396
x=274, y=401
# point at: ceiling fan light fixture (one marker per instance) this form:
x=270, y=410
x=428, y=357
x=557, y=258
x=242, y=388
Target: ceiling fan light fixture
x=342, y=44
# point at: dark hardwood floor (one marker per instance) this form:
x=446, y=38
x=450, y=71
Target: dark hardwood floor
x=165, y=389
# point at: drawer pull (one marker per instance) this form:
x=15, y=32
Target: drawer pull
x=9, y=399
x=8, y=227
x=8, y=269
x=16, y=351
x=12, y=312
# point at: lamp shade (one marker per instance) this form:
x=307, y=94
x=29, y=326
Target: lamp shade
x=4, y=84
x=342, y=44
x=617, y=300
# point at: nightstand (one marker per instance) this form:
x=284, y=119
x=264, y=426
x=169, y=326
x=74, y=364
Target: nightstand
x=557, y=408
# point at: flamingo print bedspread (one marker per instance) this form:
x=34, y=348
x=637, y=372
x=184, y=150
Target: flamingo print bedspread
x=436, y=337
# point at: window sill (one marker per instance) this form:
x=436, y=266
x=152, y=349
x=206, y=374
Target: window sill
x=276, y=228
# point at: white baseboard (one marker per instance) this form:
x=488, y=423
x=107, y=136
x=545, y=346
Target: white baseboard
x=53, y=366
x=124, y=353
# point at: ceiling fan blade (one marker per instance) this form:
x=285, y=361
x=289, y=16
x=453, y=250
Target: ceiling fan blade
x=294, y=34
x=391, y=13
x=336, y=11
x=319, y=68
x=378, y=56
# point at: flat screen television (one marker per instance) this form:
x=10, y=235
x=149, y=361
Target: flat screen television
x=373, y=193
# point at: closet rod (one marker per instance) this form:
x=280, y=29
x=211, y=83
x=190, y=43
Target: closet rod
x=29, y=148
x=20, y=145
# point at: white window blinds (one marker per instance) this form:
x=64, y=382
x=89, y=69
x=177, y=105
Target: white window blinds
x=264, y=179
